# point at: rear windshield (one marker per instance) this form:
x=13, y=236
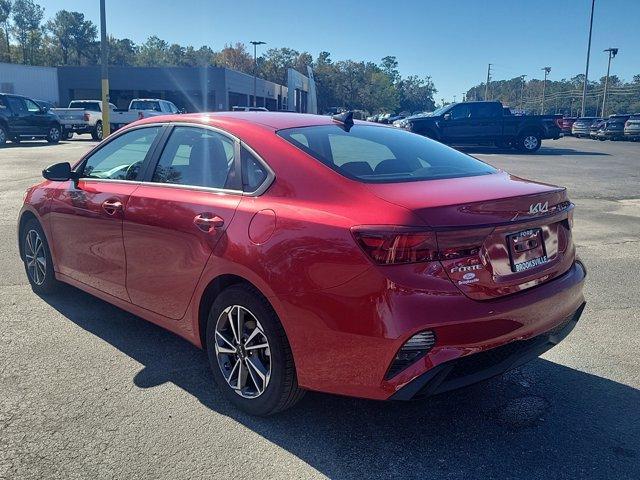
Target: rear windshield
x=383, y=155
x=145, y=105
x=91, y=106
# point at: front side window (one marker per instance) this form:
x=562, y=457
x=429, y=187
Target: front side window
x=122, y=157
x=32, y=106
x=197, y=157
x=375, y=154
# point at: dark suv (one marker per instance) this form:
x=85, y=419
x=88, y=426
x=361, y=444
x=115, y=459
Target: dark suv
x=22, y=118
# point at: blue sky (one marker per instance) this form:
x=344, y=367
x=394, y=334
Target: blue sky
x=453, y=41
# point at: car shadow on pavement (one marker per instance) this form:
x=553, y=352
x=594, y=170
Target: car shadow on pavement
x=544, y=420
x=544, y=151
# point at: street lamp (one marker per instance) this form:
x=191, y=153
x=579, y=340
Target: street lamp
x=255, y=66
x=586, y=70
x=612, y=53
x=522, y=77
x=544, y=86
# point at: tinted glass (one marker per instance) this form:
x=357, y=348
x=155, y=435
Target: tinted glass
x=145, y=105
x=91, y=106
x=121, y=158
x=486, y=110
x=16, y=104
x=253, y=173
x=378, y=154
x=32, y=106
x=196, y=156
x=460, y=111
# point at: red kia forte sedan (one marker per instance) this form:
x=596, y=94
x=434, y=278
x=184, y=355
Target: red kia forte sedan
x=307, y=252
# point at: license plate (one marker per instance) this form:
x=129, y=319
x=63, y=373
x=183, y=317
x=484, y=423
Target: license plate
x=526, y=249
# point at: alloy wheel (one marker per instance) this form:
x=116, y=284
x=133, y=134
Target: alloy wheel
x=54, y=134
x=35, y=256
x=242, y=351
x=530, y=142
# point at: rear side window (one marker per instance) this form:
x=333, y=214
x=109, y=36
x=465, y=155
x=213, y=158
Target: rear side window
x=254, y=173
x=122, y=157
x=383, y=155
x=16, y=105
x=197, y=157
x=146, y=105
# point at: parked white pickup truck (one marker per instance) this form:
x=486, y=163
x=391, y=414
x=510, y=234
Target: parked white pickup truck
x=85, y=116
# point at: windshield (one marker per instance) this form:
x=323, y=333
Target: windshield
x=383, y=155
x=440, y=111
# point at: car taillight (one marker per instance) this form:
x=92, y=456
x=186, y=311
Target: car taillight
x=86, y=117
x=559, y=122
x=140, y=115
x=396, y=244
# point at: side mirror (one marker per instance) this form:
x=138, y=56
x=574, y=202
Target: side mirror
x=59, y=172
x=44, y=109
x=447, y=116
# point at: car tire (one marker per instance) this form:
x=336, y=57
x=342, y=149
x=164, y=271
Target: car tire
x=97, y=133
x=264, y=379
x=55, y=134
x=36, y=257
x=3, y=136
x=529, y=142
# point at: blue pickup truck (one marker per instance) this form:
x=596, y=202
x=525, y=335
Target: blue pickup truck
x=485, y=123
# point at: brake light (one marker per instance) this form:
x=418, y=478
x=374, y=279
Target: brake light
x=86, y=116
x=559, y=122
x=396, y=245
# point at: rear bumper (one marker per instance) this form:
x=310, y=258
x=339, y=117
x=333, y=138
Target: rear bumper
x=475, y=368
x=344, y=339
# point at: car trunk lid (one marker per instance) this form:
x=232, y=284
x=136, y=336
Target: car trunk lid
x=496, y=234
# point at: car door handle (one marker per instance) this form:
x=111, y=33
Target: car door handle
x=208, y=222
x=112, y=206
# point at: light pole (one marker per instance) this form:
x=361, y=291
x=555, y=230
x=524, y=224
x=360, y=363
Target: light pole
x=586, y=70
x=612, y=53
x=544, y=86
x=104, y=59
x=522, y=77
x=255, y=66
x=486, y=88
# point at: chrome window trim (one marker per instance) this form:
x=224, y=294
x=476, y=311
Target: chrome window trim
x=193, y=187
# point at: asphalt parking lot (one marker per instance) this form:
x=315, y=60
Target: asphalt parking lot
x=89, y=391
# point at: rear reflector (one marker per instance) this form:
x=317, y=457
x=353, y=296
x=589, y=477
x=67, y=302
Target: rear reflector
x=413, y=349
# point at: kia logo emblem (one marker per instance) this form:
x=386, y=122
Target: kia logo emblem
x=538, y=208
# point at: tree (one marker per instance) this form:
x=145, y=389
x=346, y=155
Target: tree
x=5, y=13
x=27, y=16
x=235, y=57
x=122, y=51
x=389, y=66
x=416, y=94
x=153, y=52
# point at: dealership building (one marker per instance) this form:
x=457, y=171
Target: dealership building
x=192, y=88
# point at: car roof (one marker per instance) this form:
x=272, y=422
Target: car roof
x=273, y=120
